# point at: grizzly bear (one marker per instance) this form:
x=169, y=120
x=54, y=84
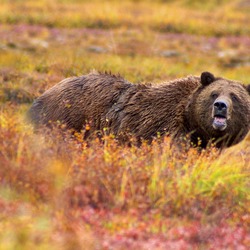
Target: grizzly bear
x=205, y=109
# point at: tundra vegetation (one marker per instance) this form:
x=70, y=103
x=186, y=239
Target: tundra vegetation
x=57, y=191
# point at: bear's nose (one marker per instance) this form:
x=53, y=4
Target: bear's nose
x=220, y=105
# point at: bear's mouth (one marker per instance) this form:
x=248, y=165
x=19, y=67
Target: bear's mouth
x=220, y=122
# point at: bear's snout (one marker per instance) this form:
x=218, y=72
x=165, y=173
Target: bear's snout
x=221, y=113
x=220, y=108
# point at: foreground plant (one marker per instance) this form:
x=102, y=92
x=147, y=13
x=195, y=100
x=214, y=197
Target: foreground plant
x=58, y=190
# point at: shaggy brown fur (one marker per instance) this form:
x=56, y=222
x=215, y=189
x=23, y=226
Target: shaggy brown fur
x=180, y=107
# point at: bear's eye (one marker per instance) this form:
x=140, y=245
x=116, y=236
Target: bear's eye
x=214, y=95
x=234, y=97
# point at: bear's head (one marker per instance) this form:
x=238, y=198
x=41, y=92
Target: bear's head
x=220, y=110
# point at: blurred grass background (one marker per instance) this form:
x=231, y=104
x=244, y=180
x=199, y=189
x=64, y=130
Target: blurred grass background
x=143, y=40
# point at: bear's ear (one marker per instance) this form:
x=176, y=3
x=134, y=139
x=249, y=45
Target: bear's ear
x=207, y=78
x=248, y=88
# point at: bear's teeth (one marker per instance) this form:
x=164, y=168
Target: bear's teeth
x=219, y=123
x=219, y=119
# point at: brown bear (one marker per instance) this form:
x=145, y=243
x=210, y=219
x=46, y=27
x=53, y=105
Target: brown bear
x=206, y=108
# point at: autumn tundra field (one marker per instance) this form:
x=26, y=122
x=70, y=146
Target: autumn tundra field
x=58, y=191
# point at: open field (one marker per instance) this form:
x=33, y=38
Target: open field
x=60, y=193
